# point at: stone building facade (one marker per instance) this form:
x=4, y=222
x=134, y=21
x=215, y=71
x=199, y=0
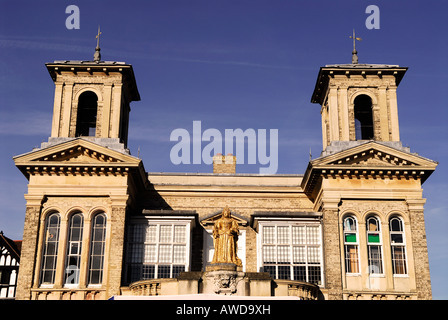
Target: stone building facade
x=98, y=225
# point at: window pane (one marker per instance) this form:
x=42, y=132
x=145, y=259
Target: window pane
x=395, y=224
x=284, y=272
x=165, y=253
x=150, y=253
x=151, y=233
x=399, y=260
x=163, y=271
x=138, y=232
x=373, y=238
x=282, y=234
x=313, y=255
x=351, y=259
x=179, y=254
x=148, y=271
x=165, y=233
x=375, y=259
x=283, y=254
x=270, y=270
x=312, y=234
x=299, y=273
x=350, y=237
x=74, y=245
x=269, y=234
x=298, y=235
x=314, y=274
x=177, y=270
x=349, y=224
x=269, y=254
x=396, y=238
x=299, y=255
x=179, y=234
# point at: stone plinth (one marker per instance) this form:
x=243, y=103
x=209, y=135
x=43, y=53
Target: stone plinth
x=224, y=278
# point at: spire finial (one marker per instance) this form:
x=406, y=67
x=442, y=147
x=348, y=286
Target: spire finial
x=354, y=52
x=97, y=55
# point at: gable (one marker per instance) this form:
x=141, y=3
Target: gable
x=371, y=160
x=77, y=151
x=373, y=155
x=77, y=156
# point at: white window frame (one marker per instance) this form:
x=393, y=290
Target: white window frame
x=379, y=244
x=263, y=222
x=356, y=243
x=162, y=221
x=403, y=244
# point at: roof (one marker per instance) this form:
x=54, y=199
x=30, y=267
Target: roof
x=14, y=246
x=57, y=66
x=330, y=70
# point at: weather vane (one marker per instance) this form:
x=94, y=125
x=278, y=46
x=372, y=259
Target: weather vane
x=354, y=52
x=97, y=55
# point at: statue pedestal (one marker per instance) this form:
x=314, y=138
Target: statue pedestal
x=223, y=267
x=224, y=278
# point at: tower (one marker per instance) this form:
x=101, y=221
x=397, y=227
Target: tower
x=358, y=103
x=82, y=183
x=368, y=186
x=92, y=100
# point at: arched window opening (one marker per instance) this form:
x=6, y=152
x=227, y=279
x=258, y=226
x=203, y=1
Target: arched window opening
x=50, y=249
x=351, y=245
x=398, y=246
x=87, y=113
x=97, y=247
x=374, y=247
x=363, y=117
x=74, y=245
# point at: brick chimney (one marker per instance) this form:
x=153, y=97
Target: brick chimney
x=224, y=164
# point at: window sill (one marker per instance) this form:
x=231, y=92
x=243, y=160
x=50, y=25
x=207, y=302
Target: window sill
x=401, y=276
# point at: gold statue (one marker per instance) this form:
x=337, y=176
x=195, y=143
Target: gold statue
x=225, y=237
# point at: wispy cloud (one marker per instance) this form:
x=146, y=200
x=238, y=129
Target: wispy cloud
x=35, y=123
x=34, y=43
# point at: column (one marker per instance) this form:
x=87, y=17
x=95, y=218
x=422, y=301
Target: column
x=333, y=110
x=343, y=109
x=107, y=100
x=59, y=86
x=395, y=132
x=116, y=111
x=67, y=110
x=419, y=245
x=332, y=248
x=29, y=244
x=114, y=252
x=383, y=116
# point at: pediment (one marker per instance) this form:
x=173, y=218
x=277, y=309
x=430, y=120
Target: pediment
x=374, y=155
x=77, y=151
x=370, y=160
x=75, y=157
x=210, y=219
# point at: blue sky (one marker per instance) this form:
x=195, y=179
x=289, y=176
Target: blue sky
x=230, y=64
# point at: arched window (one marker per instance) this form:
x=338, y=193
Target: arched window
x=97, y=246
x=351, y=245
x=50, y=249
x=398, y=246
x=374, y=247
x=87, y=113
x=74, y=245
x=363, y=117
